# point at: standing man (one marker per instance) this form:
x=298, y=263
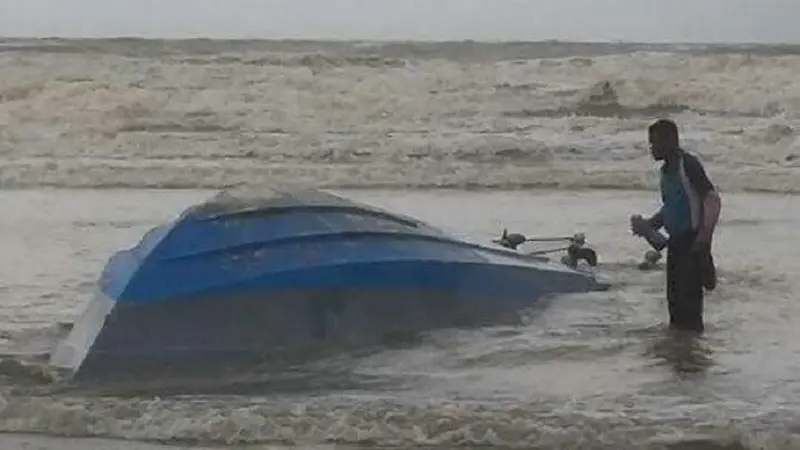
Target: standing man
x=691, y=207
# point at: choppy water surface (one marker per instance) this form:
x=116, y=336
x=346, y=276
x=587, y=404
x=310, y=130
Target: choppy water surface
x=586, y=371
x=200, y=113
x=590, y=371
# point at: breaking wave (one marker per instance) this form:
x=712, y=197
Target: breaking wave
x=208, y=114
x=377, y=424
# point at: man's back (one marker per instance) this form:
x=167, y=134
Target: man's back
x=684, y=184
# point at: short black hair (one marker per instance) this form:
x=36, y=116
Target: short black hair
x=664, y=127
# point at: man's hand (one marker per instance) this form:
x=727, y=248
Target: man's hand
x=639, y=225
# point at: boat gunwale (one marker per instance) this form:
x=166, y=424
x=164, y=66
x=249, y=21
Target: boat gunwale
x=363, y=210
x=326, y=234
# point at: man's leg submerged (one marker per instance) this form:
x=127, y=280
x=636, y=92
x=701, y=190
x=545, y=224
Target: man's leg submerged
x=673, y=267
x=685, y=285
x=692, y=298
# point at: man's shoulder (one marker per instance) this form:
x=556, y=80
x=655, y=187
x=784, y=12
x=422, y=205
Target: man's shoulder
x=696, y=172
x=690, y=163
x=691, y=159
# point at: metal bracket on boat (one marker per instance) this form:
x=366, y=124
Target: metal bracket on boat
x=575, y=248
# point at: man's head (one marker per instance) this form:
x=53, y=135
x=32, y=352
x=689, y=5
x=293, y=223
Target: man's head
x=663, y=138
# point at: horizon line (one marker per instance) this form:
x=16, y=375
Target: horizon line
x=394, y=40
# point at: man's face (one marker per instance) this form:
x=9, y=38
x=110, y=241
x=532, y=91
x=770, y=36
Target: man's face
x=660, y=146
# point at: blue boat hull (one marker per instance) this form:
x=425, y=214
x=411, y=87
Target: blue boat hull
x=215, y=291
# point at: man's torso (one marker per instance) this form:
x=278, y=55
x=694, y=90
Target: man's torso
x=682, y=203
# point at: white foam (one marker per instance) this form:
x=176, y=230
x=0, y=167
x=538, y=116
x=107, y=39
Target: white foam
x=99, y=119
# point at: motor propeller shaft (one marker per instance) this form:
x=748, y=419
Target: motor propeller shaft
x=575, y=249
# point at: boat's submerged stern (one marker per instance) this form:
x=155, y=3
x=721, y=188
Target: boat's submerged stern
x=207, y=335
x=71, y=352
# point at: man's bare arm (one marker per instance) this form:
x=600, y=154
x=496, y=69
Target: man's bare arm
x=712, y=205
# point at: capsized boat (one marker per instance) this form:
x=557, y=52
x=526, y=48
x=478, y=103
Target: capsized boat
x=247, y=277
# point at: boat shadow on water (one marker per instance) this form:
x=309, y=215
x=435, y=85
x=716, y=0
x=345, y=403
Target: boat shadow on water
x=319, y=369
